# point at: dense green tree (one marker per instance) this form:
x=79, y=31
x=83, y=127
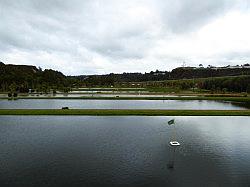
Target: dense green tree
x=21, y=78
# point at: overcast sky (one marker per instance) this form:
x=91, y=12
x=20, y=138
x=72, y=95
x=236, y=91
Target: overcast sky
x=103, y=36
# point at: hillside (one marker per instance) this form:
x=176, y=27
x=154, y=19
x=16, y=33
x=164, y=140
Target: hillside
x=175, y=74
x=21, y=78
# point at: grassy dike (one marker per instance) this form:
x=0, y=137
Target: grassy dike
x=114, y=112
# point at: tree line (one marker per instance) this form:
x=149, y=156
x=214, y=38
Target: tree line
x=177, y=73
x=21, y=78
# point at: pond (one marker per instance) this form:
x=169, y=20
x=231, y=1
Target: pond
x=124, y=151
x=119, y=104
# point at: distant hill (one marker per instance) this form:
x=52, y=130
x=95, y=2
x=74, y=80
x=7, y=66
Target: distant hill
x=175, y=74
x=21, y=78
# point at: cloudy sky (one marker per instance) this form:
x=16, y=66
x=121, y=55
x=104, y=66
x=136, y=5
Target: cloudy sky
x=103, y=36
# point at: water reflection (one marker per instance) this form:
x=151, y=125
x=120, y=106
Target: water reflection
x=118, y=104
x=171, y=157
x=124, y=151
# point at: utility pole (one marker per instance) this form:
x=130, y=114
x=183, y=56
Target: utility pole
x=183, y=64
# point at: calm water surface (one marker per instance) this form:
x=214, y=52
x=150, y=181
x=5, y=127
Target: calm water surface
x=118, y=104
x=123, y=151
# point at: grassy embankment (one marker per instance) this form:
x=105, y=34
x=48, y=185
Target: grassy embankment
x=108, y=89
x=110, y=112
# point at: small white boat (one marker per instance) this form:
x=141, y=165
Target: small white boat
x=174, y=143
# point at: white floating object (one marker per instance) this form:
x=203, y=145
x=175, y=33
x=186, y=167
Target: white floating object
x=174, y=143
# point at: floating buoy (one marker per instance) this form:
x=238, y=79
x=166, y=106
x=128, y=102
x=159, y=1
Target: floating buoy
x=174, y=143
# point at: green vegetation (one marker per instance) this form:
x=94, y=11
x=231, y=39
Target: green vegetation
x=21, y=78
x=123, y=80
x=218, y=85
x=108, y=89
x=229, y=84
x=106, y=112
x=165, y=90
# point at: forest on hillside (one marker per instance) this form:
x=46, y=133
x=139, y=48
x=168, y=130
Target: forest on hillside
x=21, y=78
x=175, y=74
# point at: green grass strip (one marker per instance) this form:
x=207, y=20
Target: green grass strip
x=121, y=112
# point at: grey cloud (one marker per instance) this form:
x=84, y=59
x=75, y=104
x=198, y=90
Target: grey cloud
x=242, y=56
x=104, y=29
x=127, y=44
x=182, y=16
